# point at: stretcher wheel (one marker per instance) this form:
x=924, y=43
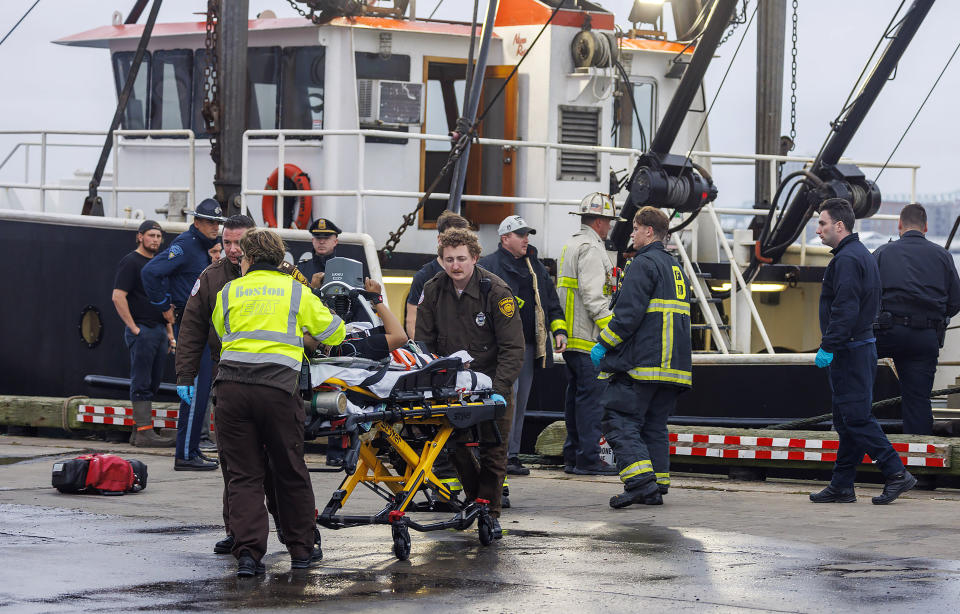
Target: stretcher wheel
x=401, y=542
x=485, y=530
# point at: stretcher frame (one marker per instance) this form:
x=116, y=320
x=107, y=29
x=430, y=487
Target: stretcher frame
x=363, y=467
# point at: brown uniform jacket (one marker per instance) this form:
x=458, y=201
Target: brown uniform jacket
x=484, y=323
x=195, y=328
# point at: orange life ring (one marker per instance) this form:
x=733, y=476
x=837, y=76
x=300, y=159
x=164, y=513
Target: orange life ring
x=299, y=179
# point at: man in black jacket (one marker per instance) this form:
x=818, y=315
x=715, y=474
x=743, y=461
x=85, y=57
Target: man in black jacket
x=645, y=356
x=516, y=263
x=920, y=293
x=849, y=303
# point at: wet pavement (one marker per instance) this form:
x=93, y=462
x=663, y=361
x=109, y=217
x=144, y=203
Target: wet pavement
x=715, y=545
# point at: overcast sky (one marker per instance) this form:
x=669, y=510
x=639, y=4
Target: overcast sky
x=56, y=87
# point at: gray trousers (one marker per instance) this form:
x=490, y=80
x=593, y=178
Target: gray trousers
x=521, y=392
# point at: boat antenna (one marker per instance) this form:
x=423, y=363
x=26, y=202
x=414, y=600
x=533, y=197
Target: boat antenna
x=19, y=21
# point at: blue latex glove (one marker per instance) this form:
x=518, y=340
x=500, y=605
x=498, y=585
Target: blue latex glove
x=498, y=399
x=597, y=354
x=824, y=358
x=186, y=393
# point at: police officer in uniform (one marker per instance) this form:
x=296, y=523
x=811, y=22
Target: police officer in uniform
x=260, y=319
x=467, y=307
x=849, y=303
x=584, y=281
x=920, y=293
x=644, y=354
x=168, y=280
x=325, y=240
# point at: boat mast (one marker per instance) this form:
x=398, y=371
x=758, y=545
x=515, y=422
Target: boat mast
x=771, y=24
x=232, y=58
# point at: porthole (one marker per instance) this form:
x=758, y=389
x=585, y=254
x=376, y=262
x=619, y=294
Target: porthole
x=91, y=326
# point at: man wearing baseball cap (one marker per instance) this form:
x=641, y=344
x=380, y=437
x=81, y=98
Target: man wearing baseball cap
x=168, y=280
x=147, y=335
x=585, y=279
x=516, y=263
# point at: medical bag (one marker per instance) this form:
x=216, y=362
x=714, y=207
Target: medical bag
x=103, y=474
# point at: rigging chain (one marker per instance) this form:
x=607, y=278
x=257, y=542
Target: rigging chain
x=737, y=20
x=793, y=80
x=211, y=80
x=321, y=12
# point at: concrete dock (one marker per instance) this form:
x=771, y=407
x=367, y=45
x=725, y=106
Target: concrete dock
x=716, y=545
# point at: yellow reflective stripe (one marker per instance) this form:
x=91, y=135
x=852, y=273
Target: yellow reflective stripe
x=668, y=306
x=674, y=376
x=568, y=282
x=635, y=469
x=663, y=478
x=610, y=337
x=580, y=344
x=665, y=338
x=556, y=325
x=602, y=322
x=452, y=483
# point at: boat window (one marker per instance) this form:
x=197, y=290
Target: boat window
x=645, y=95
x=135, y=115
x=393, y=68
x=302, y=99
x=199, y=62
x=171, y=87
x=445, y=87
x=263, y=88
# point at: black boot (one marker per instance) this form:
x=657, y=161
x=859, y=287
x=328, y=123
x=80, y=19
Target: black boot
x=834, y=495
x=316, y=556
x=247, y=567
x=224, y=546
x=896, y=485
x=641, y=496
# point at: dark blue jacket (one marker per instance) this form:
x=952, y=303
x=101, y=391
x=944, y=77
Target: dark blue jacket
x=170, y=275
x=514, y=271
x=918, y=278
x=649, y=335
x=850, y=296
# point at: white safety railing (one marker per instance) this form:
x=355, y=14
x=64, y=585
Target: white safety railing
x=147, y=138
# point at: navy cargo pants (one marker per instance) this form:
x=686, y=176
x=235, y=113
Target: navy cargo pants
x=191, y=416
x=851, y=382
x=583, y=412
x=914, y=352
x=635, y=423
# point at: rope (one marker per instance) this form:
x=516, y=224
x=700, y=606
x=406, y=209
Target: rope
x=19, y=21
x=891, y=402
x=915, y=115
x=64, y=418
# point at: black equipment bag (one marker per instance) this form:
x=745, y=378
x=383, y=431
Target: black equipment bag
x=70, y=476
x=139, y=475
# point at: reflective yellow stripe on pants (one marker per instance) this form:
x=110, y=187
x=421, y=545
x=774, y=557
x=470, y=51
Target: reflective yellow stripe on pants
x=634, y=469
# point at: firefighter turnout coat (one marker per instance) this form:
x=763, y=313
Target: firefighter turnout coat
x=584, y=282
x=260, y=319
x=648, y=337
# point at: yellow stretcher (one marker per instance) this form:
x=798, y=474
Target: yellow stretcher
x=422, y=413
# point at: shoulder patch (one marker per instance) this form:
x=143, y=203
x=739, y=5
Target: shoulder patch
x=175, y=250
x=507, y=306
x=196, y=288
x=421, y=298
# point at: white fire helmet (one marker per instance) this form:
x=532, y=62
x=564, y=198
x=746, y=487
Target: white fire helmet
x=597, y=204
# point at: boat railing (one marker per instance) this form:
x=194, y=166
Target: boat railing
x=46, y=140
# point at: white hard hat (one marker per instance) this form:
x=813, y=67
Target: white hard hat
x=514, y=223
x=597, y=204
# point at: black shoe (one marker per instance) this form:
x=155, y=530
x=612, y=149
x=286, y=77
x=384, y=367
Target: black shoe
x=314, y=561
x=209, y=459
x=569, y=468
x=896, y=485
x=334, y=461
x=600, y=468
x=636, y=496
x=515, y=467
x=497, y=530
x=206, y=445
x=247, y=567
x=834, y=495
x=193, y=464
x=224, y=546
x=664, y=488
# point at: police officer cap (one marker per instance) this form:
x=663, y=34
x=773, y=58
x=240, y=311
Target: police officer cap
x=322, y=226
x=208, y=209
x=149, y=225
x=597, y=204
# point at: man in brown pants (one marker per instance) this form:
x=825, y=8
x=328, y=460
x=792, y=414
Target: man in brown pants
x=261, y=319
x=465, y=307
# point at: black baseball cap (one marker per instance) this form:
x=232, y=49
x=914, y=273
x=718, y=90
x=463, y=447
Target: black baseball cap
x=322, y=226
x=149, y=225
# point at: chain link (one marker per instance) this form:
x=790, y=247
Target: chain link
x=321, y=13
x=735, y=23
x=211, y=80
x=793, y=79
